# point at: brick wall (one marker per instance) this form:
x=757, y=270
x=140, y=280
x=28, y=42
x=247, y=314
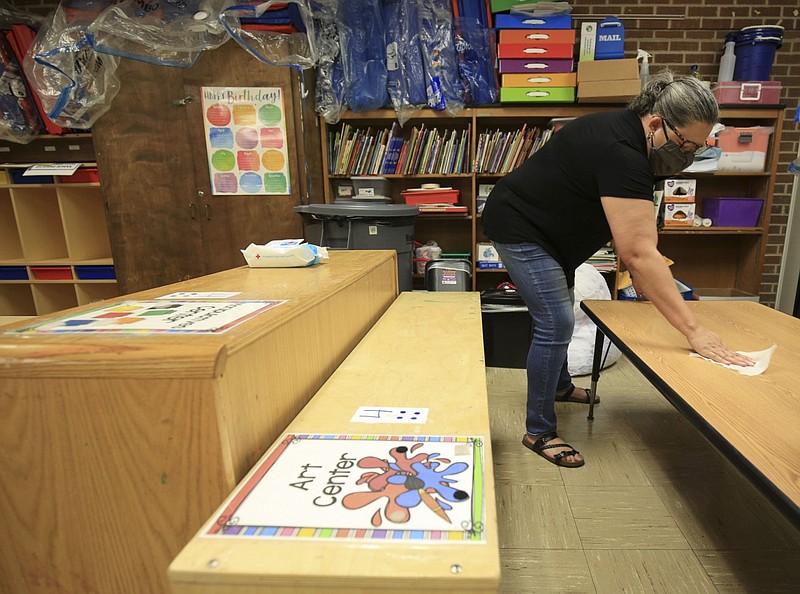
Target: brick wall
x=680, y=34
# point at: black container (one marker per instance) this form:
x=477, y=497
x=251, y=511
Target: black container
x=507, y=328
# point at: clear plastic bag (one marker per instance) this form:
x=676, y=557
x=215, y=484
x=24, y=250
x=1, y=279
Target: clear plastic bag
x=158, y=32
x=361, y=39
x=76, y=85
x=11, y=16
x=283, y=36
x=329, y=91
x=445, y=91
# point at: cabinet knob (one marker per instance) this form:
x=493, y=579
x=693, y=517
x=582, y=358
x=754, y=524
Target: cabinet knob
x=182, y=102
x=209, y=212
x=193, y=210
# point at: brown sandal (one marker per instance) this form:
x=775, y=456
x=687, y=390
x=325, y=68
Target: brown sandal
x=539, y=444
x=567, y=396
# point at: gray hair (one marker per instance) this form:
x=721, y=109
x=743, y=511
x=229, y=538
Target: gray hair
x=681, y=101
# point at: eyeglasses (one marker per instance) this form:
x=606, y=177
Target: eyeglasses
x=687, y=146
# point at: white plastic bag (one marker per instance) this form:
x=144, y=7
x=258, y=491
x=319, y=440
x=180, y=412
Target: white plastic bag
x=589, y=284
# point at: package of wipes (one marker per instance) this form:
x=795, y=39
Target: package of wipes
x=284, y=253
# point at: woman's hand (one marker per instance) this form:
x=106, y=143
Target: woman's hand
x=709, y=344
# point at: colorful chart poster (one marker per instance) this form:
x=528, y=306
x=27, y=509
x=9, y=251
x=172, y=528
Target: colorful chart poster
x=245, y=129
x=178, y=317
x=365, y=487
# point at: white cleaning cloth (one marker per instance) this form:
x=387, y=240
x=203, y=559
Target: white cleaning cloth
x=762, y=359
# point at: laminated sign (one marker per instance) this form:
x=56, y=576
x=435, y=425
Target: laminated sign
x=245, y=130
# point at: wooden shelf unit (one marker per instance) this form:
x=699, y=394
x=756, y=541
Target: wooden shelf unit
x=721, y=258
x=54, y=242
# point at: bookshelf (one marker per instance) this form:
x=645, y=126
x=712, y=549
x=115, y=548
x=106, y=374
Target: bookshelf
x=724, y=261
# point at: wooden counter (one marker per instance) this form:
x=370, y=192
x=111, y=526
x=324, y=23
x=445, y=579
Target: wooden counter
x=426, y=351
x=117, y=447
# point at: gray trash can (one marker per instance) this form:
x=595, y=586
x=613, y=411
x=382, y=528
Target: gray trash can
x=364, y=227
x=507, y=328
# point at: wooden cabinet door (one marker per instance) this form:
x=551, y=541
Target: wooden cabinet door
x=165, y=225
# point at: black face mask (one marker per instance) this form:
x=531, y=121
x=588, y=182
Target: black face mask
x=668, y=159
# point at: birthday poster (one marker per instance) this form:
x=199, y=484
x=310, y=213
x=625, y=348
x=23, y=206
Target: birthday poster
x=177, y=317
x=366, y=487
x=245, y=129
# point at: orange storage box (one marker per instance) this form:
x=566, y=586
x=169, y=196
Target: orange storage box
x=540, y=79
x=416, y=197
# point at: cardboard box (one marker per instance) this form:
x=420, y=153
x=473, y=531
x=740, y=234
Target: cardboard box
x=607, y=91
x=678, y=190
x=607, y=70
x=678, y=214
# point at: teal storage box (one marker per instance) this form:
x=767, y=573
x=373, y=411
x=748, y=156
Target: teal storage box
x=610, y=44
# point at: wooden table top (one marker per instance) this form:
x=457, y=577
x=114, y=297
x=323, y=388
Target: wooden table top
x=754, y=420
x=181, y=355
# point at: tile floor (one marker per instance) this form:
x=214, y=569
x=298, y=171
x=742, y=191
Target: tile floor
x=655, y=508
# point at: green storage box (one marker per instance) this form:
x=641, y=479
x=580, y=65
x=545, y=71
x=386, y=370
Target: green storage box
x=537, y=95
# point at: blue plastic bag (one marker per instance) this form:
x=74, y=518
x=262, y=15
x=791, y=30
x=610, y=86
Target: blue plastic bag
x=406, y=72
x=363, y=46
x=475, y=45
x=444, y=89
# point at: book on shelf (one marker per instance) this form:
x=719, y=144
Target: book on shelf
x=448, y=208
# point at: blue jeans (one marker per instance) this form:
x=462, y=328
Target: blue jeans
x=542, y=284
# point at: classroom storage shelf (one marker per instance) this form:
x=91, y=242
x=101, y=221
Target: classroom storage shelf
x=55, y=251
x=727, y=259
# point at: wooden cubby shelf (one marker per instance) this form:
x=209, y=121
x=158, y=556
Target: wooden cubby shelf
x=55, y=251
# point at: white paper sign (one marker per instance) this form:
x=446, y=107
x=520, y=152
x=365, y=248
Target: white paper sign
x=390, y=414
x=200, y=295
x=52, y=169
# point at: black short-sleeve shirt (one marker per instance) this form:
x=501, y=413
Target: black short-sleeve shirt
x=553, y=198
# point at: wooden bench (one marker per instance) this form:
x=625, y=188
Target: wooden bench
x=117, y=447
x=339, y=504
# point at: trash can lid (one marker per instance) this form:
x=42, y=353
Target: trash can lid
x=358, y=210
